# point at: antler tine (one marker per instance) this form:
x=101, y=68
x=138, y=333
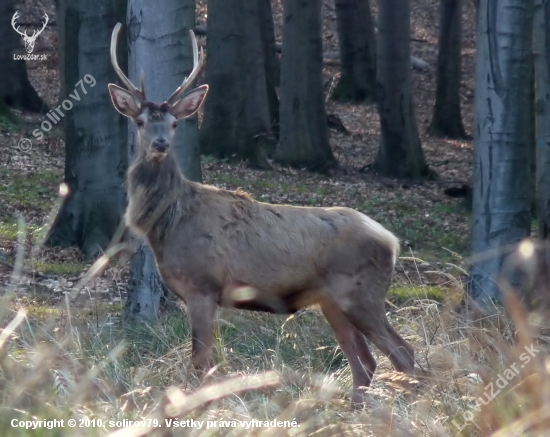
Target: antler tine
x=13, y=20
x=46, y=20
x=198, y=62
x=143, y=84
x=35, y=32
x=140, y=94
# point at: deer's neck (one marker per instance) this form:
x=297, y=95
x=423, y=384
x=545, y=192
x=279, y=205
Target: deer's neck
x=159, y=197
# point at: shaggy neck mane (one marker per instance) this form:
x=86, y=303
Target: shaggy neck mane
x=159, y=197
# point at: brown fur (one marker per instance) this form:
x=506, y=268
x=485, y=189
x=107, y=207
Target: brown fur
x=216, y=247
x=156, y=112
x=222, y=248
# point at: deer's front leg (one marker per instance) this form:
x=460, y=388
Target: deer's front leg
x=202, y=310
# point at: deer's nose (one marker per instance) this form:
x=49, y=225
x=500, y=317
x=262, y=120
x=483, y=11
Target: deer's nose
x=160, y=145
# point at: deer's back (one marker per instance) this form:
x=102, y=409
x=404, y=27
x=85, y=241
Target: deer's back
x=231, y=238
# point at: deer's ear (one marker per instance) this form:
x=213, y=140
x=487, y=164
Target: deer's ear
x=123, y=101
x=189, y=103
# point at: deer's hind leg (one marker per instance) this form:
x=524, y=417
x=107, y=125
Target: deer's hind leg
x=372, y=322
x=364, y=308
x=354, y=347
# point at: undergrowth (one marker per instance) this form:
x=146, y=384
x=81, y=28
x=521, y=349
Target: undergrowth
x=86, y=364
x=98, y=370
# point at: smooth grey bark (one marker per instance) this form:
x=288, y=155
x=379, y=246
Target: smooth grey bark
x=303, y=130
x=271, y=63
x=447, y=118
x=357, y=42
x=159, y=45
x=237, y=121
x=95, y=138
x=145, y=287
x=541, y=52
x=15, y=89
x=400, y=153
x=501, y=180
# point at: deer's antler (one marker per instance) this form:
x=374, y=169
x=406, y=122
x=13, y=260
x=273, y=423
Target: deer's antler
x=38, y=32
x=198, y=61
x=139, y=94
x=13, y=20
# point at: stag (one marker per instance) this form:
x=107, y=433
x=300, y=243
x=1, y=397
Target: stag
x=28, y=40
x=215, y=247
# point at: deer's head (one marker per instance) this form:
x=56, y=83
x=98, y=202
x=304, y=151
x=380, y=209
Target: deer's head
x=156, y=122
x=28, y=40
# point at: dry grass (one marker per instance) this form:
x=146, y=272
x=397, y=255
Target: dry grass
x=66, y=355
x=86, y=366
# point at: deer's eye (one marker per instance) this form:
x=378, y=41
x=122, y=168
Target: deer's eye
x=175, y=124
x=139, y=122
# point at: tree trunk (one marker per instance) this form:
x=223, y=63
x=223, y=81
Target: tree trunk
x=15, y=89
x=357, y=52
x=95, y=161
x=160, y=47
x=145, y=287
x=271, y=64
x=541, y=47
x=237, y=121
x=303, y=132
x=400, y=154
x=447, y=119
x=501, y=180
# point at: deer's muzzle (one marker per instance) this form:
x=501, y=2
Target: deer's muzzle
x=160, y=145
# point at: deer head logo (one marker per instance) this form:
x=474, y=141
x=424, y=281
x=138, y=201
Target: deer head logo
x=28, y=40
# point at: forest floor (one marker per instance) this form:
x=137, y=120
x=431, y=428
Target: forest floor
x=431, y=225
x=428, y=288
